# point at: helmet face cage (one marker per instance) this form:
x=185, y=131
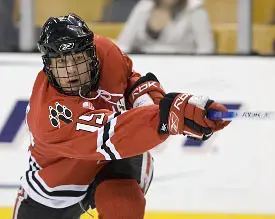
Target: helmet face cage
x=69, y=55
x=85, y=78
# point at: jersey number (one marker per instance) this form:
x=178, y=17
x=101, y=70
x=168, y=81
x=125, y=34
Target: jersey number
x=96, y=119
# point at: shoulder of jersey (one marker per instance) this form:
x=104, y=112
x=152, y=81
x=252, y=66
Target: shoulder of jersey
x=103, y=43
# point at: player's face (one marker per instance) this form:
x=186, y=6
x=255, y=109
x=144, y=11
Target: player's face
x=71, y=71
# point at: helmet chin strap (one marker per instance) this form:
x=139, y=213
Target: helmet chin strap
x=105, y=95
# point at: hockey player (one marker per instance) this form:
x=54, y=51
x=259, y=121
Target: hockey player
x=87, y=149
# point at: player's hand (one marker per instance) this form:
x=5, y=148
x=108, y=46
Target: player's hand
x=186, y=114
x=146, y=91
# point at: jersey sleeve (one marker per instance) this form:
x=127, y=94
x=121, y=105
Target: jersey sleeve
x=119, y=66
x=116, y=64
x=103, y=135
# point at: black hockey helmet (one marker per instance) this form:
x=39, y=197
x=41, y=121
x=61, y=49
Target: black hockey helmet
x=66, y=36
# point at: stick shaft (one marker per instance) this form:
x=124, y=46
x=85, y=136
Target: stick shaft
x=230, y=115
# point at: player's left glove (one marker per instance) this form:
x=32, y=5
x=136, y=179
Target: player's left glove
x=186, y=114
x=146, y=91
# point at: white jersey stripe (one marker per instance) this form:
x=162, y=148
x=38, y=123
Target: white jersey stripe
x=60, y=188
x=100, y=143
x=104, y=144
x=143, y=170
x=33, y=159
x=50, y=201
x=112, y=116
x=150, y=174
x=111, y=133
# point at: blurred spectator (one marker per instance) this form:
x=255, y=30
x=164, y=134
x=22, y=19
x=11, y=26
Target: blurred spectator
x=118, y=10
x=8, y=32
x=167, y=26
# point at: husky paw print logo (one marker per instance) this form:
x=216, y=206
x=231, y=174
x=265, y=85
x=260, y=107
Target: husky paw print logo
x=60, y=113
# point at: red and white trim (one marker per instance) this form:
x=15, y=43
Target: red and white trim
x=21, y=195
x=146, y=171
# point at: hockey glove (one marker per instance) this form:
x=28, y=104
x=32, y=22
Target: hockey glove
x=146, y=91
x=182, y=113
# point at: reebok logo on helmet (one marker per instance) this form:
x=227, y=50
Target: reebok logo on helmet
x=66, y=46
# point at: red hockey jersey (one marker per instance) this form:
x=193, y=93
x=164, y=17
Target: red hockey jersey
x=70, y=135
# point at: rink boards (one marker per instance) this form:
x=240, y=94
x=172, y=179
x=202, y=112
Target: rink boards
x=232, y=175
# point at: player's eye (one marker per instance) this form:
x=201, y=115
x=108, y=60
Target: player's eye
x=60, y=61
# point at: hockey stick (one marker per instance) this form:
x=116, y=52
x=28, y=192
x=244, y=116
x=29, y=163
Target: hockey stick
x=230, y=115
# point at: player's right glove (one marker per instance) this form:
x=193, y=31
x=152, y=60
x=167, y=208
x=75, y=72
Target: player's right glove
x=182, y=113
